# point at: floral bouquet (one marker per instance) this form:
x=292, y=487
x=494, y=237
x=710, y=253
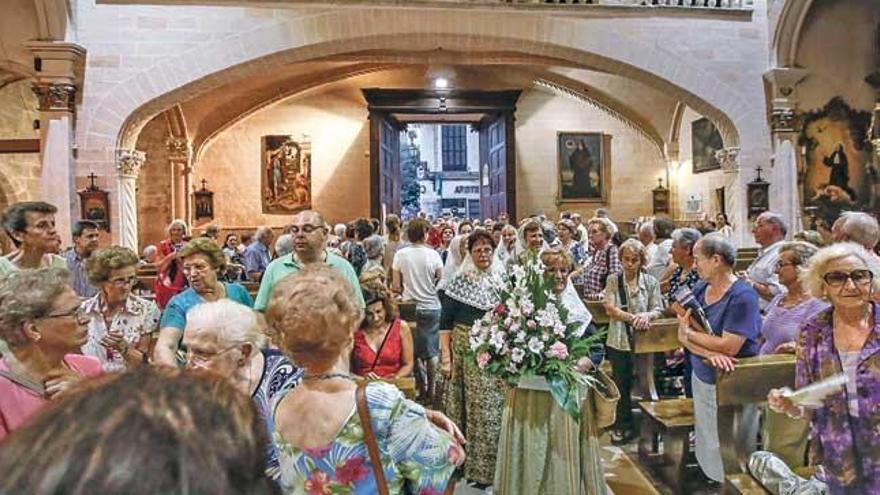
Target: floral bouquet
x=529, y=334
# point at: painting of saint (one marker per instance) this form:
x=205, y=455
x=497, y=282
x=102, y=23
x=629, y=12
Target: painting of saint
x=286, y=175
x=705, y=141
x=837, y=174
x=582, y=162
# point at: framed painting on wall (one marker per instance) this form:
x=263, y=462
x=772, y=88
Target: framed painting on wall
x=705, y=141
x=583, y=167
x=286, y=171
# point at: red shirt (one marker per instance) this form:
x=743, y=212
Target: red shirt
x=18, y=403
x=391, y=355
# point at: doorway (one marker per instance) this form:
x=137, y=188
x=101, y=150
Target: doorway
x=456, y=146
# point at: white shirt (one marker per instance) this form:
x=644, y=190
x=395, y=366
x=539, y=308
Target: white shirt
x=419, y=267
x=763, y=270
x=657, y=264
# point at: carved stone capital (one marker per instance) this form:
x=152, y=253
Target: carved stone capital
x=178, y=149
x=784, y=79
x=129, y=162
x=783, y=119
x=728, y=158
x=60, y=97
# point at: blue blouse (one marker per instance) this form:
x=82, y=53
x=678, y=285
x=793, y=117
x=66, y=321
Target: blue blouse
x=175, y=313
x=736, y=312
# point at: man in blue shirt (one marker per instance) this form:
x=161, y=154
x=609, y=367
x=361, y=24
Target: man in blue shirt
x=256, y=256
x=85, y=242
x=309, y=233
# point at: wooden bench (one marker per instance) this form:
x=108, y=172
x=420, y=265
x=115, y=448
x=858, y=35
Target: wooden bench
x=672, y=420
x=748, y=384
x=597, y=309
x=661, y=337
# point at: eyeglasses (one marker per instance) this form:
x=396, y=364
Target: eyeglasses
x=858, y=277
x=306, y=229
x=124, y=282
x=196, y=268
x=76, y=312
x=196, y=357
x=482, y=251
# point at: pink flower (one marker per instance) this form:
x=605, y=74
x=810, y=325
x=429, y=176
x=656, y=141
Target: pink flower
x=531, y=324
x=558, y=350
x=352, y=471
x=483, y=359
x=318, y=483
x=500, y=309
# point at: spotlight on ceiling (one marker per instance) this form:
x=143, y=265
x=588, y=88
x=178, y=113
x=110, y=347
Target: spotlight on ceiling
x=441, y=83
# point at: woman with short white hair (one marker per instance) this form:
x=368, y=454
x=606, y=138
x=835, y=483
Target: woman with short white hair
x=171, y=280
x=844, y=338
x=225, y=337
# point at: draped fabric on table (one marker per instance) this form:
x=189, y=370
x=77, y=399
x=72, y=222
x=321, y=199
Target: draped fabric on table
x=542, y=450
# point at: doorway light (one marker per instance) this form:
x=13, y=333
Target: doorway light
x=441, y=83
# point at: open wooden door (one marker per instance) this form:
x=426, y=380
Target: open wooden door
x=498, y=166
x=384, y=164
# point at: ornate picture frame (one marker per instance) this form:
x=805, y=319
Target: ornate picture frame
x=583, y=167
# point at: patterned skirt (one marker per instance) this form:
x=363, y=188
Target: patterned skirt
x=475, y=401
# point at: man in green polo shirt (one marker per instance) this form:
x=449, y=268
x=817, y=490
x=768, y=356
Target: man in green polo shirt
x=309, y=237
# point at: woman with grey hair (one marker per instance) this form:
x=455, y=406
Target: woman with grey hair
x=283, y=245
x=42, y=323
x=731, y=308
x=844, y=338
x=225, y=337
x=682, y=251
x=171, y=280
x=31, y=226
x=373, y=271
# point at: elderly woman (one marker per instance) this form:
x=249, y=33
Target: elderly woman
x=42, y=323
x=682, y=251
x=632, y=301
x=531, y=418
x=157, y=430
x=456, y=254
x=31, y=226
x=373, y=272
x=225, y=337
x=567, y=232
x=474, y=400
x=731, y=308
x=506, y=245
x=842, y=339
x=171, y=279
x=605, y=260
x=322, y=445
x=203, y=263
x=121, y=324
x=383, y=345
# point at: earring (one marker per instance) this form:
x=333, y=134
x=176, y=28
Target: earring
x=37, y=338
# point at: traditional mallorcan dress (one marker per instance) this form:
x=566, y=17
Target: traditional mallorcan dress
x=541, y=448
x=473, y=399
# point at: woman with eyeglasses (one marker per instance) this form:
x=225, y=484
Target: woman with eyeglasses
x=225, y=337
x=42, y=323
x=121, y=324
x=844, y=338
x=202, y=263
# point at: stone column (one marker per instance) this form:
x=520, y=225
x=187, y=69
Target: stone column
x=128, y=166
x=55, y=85
x=181, y=173
x=785, y=194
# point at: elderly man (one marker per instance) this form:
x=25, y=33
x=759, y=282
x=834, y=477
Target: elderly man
x=31, y=226
x=85, y=242
x=583, y=235
x=769, y=231
x=309, y=233
x=284, y=245
x=858, y=227
x=646, y=237
x=256, y=256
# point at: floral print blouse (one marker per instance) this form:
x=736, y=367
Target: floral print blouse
x=847, y=447
x=414, y=452
x=139, y=317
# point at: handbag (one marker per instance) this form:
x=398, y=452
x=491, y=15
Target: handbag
x=603, y=399
x=373, y=447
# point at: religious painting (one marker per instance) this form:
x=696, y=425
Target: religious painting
x=286, y=175
x=95, y=204
x=837, y=173
x=583, y=162
x=705, y=141
x=203, y=200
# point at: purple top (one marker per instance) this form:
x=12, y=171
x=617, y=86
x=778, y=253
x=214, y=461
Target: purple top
x=782, y=324
x=847, y=447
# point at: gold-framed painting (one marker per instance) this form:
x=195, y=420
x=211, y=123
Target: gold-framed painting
x=583, y=167
x=286, y=174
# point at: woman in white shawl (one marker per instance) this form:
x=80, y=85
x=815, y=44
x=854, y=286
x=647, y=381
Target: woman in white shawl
x=457, y=253
x=507, y=246
x=530, y=238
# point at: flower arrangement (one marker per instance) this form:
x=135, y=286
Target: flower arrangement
x=529, y=334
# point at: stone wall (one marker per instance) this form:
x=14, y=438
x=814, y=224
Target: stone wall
x=154, y=194
x=19, y=172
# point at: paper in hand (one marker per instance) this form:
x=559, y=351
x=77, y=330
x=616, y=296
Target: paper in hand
x=813, y=395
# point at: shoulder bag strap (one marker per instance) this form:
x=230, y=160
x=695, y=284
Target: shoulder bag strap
x=624, y=305
x=382, y=345
x=370, y=438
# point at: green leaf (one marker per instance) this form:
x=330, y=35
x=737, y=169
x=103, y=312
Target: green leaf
x=566, y=395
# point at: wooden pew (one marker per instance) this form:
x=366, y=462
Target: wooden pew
x=748, y=384
x=661, y=337
x=673, y=420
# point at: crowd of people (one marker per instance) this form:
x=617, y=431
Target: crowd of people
x=308, y=327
